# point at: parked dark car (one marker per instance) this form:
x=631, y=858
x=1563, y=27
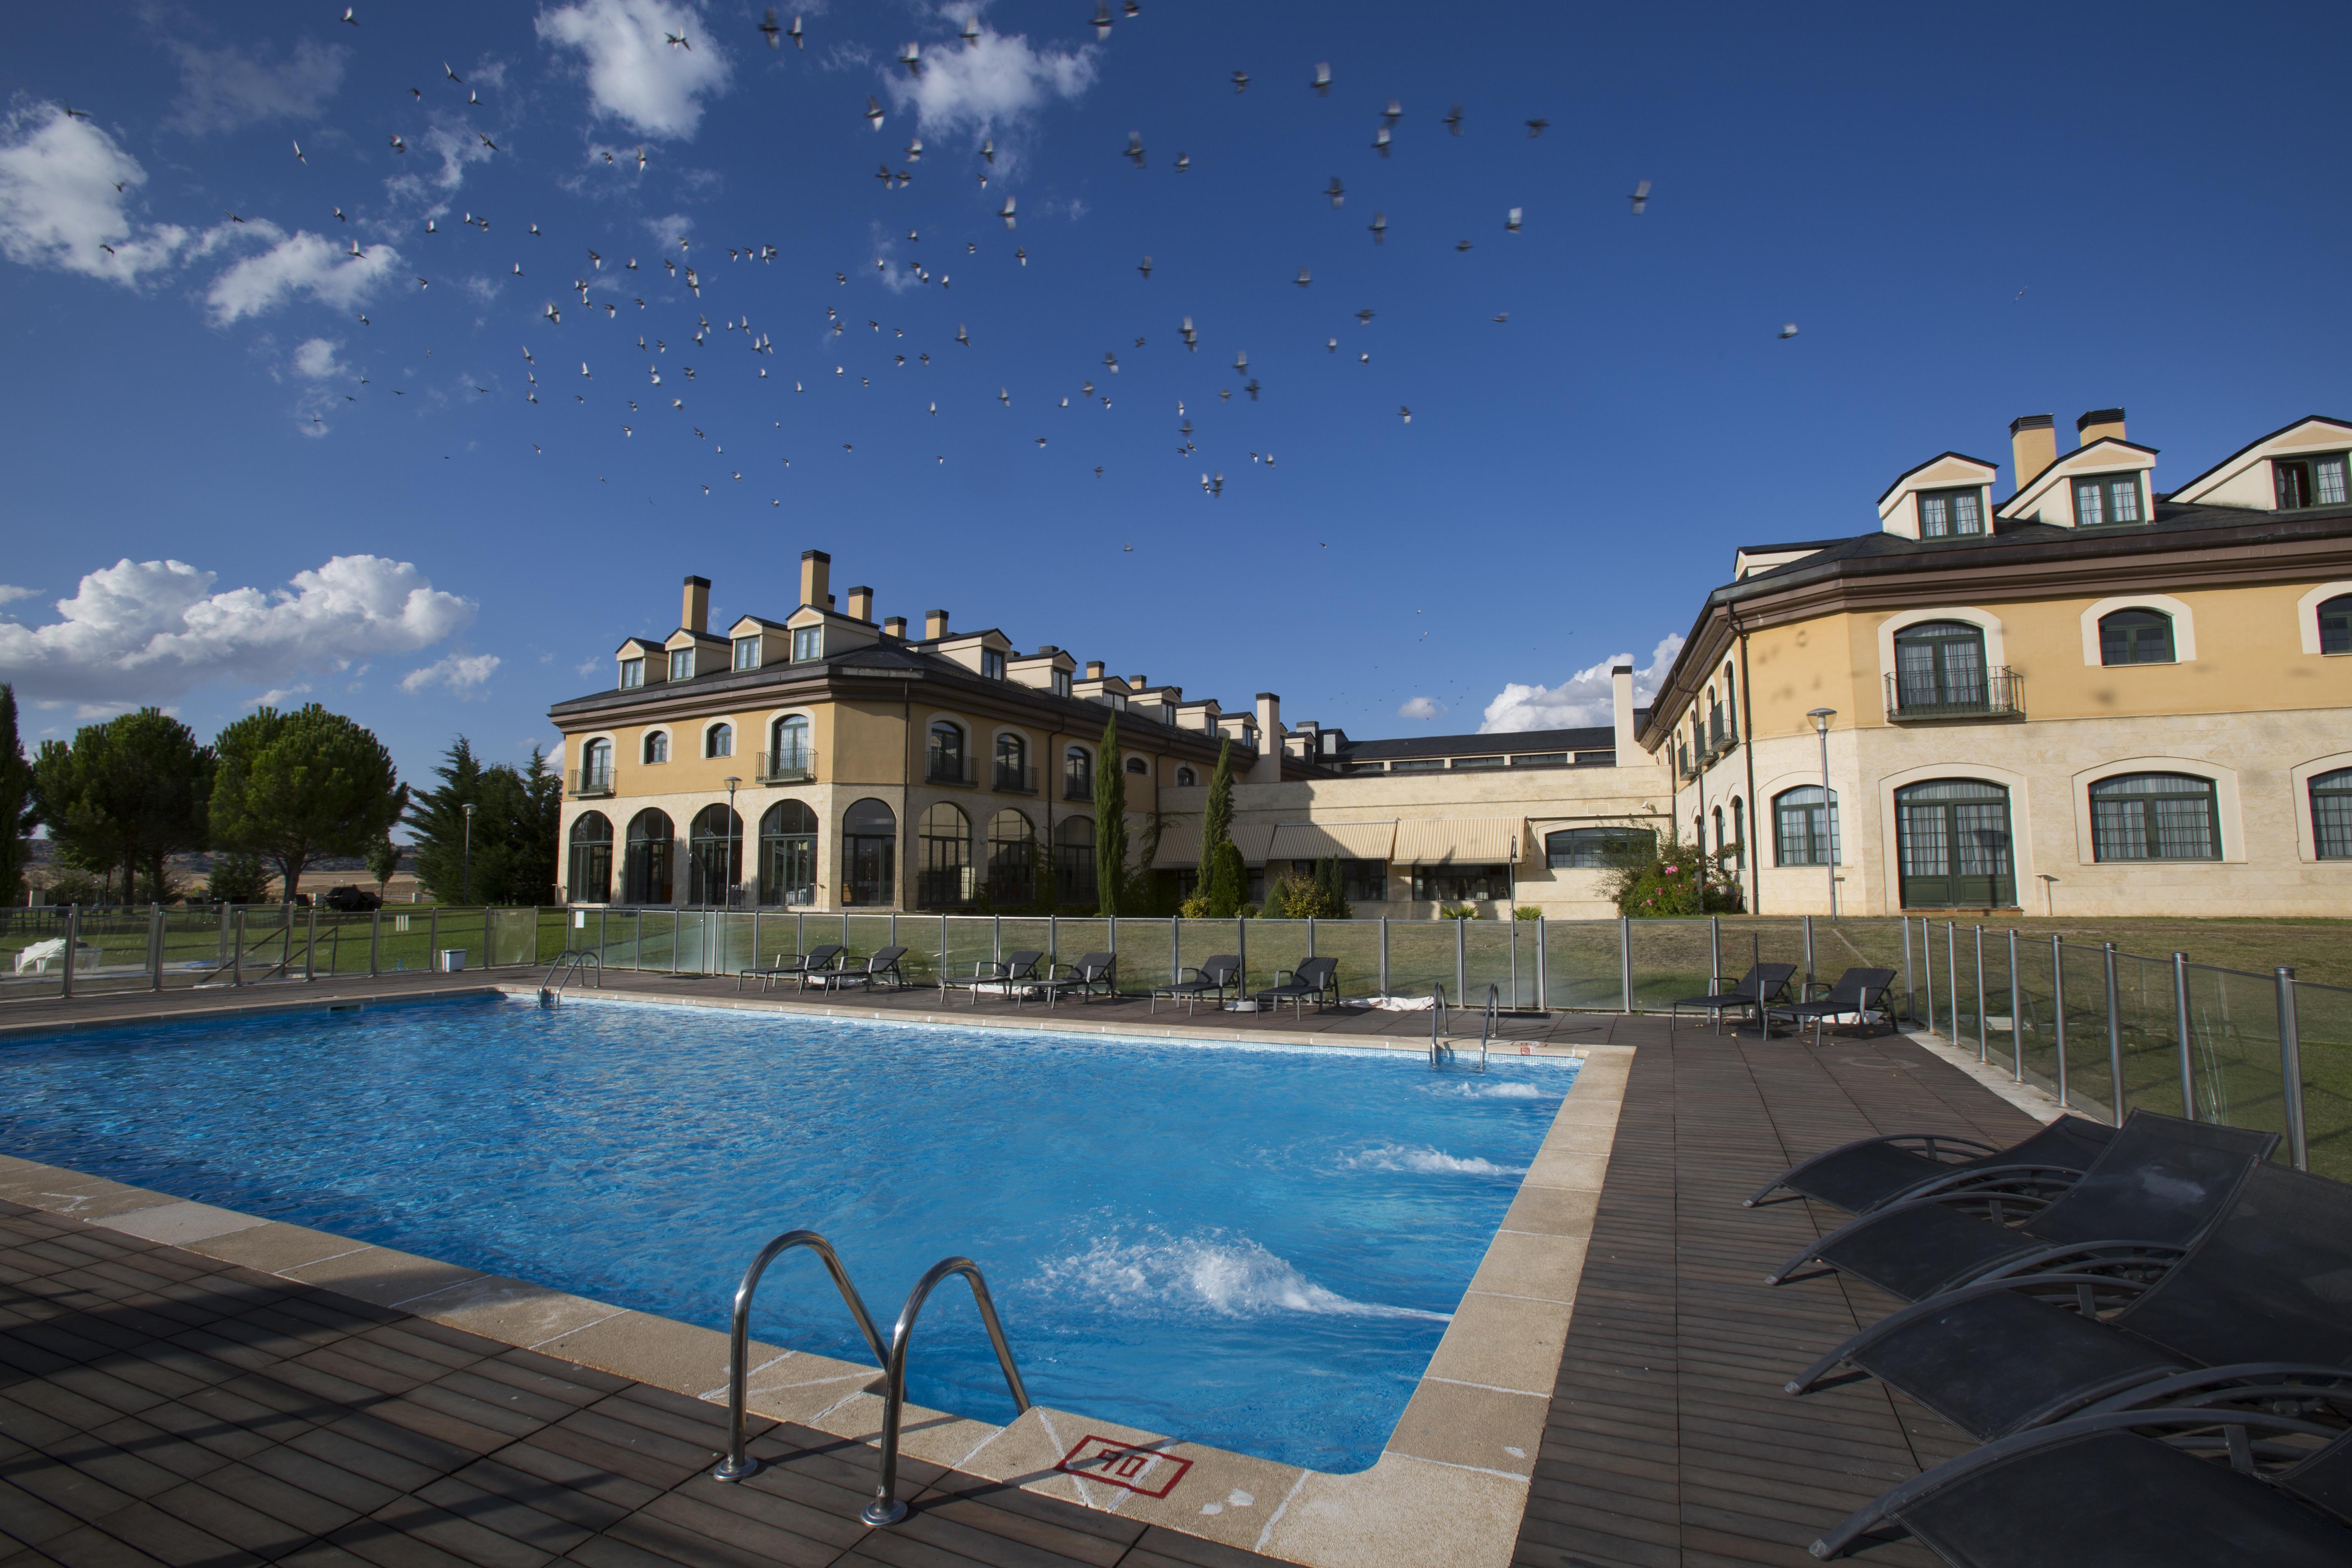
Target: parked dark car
x=350, y=900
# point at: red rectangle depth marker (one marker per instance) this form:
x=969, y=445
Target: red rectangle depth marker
x=1144, y=1470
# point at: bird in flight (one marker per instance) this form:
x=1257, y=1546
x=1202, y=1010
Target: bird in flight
x=1392, y=113
x=1241, y=82
x=1380, y=227
x=1102, y=19
x=1005, y=212
x=354, y=21
x=1135, y=148
x=553, y=314
x=1504, y=317
x=1337, y=192
x=769, y=30
x=1453, y=121
x=1322, y=82
x=872, y=111
x=1404, y=412
x=971, y=34
x=1639, y=197
x=1511, y=224
x=1146, y=269
x=397, y=144
x=679, y=41
x=298, y=155
x=1183, y=162
x=1537, y=127
x=799, y=42
x=1789, y=330
x=1304, y=277
x=1380, y=140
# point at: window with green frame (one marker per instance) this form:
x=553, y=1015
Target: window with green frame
x=2155, y=816
x=2135, y=636
x=1804, y=833
x=1940, y=664
x=2109, y=497
x=2336, y=624
x=1943, y=514
x=2308, y=481
x=1594, y=849
x=2331, y=814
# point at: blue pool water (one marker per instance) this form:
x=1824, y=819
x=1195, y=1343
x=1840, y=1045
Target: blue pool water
x=1255, y=1248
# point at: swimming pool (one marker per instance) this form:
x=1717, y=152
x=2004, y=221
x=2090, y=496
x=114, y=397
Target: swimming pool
x=1255, y=1248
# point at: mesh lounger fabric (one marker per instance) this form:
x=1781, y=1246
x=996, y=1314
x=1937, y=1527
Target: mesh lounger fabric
x=1860, y=1178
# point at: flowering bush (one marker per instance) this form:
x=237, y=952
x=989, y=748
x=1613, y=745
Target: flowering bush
x=1650, y=880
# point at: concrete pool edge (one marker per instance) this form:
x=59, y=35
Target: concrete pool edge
x=1449, y=1488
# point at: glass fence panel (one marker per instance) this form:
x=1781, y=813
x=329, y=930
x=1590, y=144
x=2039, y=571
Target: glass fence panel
x=2090, y=1082
x=2151, y=1038
x=513, y=938
x=1147, y=948
x=1197, y=941
x=1672, y=959
x=2233, y=1048
x=1486, y=959
x=971, y=943
x=1074, y=937
x=1581, y=965
x=1356, y=946
x=340, y=946
x=1840, y=945
x=1027, y=933
x=2035, y=1020
x=1421, y=956
x=2324, y=1024
x=865, y=935
x=1276, y=948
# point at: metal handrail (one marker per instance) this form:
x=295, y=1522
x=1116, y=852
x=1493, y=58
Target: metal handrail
x=1436, y=1012
x=570, y=961
x=738, y=1464
x=1486, y=1029
x=886, y=1508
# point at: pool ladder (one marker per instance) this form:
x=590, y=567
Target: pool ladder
x=886, y=1508
x=1442, y=1015
x=571, y=962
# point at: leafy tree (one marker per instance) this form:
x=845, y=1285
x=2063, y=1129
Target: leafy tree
x=83, y=835
x=383, y=865
x=516, y=811
x=19, y=812
x=1110, y=823
x=238, y=877
x=131, y=792
x=295, y=787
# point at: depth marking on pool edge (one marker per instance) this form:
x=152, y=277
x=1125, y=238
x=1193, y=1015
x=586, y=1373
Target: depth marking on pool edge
x=1124, y=1465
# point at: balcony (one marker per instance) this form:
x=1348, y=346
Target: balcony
x=1076, y=788
x=947, y=768
x=2000, y=696
x=796, y=766
x=590, y=782
x=1016, y=778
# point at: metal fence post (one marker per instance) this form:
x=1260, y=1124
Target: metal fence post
x=73, y=946
x=1910, y=985
x=1310, y=936
x=155, y=947
x=2058, y=1009
x=1053, y=941
x=2181, y=1027
x=997, y=939
x=285, y=942
x=1809, y=952
x=1952, y=975
x=943, y=947
x=1543, y=1003
x=1981, y=1052
x=1460, y=959
x=1241, y=948
x=1384, y=956
x=1714, y=952
x=1927, y=972
x=1625, y=961
x=1175, y=948
x=2290, y=1067
x=376, y=942
x=235, y=948
x=2016, y=1017
x=432, y=937
x=310, y=947
x=2114, y=1036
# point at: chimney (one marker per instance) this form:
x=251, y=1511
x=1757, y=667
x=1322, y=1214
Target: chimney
x=695, y=617
x=1093, y=669
x=816, y=566
x=935, y=625
x=2098, y=424
x=895, y=627
x=1137, y=683
x=1267, y=769
x=861, y=604
x=1620, y=702
x=2033, y=446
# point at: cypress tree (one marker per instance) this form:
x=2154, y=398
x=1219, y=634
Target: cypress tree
x=1217, y=818
x=17, y=812
x=1110, y=822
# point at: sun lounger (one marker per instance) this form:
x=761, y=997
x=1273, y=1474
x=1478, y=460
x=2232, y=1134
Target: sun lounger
x=1216, y=975
x=1095, y=973
x=1871, y=1173
x=800, y=968
x=883, y=964
x=1013, y=975
x=1859, y=995
x=1315, y=979
x=1750, y=994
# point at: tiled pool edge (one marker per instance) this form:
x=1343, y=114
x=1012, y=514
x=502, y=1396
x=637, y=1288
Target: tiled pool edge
x=1448, y=1490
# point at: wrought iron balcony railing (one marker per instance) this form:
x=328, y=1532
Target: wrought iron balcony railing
x=588, y=782
x=2000, y=695
x=1016, y=778
x=795, y=766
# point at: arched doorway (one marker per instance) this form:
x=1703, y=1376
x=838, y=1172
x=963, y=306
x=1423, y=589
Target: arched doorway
x=945, y=836
x=788, y=854
x=869, y=854
x=714, y=856
x=1011, y=859
x=590, y=878
x=1952, y=842
x=1074, y=861
x=646, y=862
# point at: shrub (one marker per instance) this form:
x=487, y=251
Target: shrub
x=1458, y=912
x=238, y=877
x=1651, y=880
x=1526, y=913
x=76, y=888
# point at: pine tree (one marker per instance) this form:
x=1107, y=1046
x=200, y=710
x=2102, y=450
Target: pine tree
x=293, y=787
x=1110, y=823
x=18, y=811
x=438, y=824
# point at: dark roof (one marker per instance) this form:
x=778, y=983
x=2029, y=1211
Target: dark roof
x=1597, y=739
x=1938, y=457
x=2193, y=481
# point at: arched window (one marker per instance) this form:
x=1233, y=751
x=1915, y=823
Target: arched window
x=1952, y=845
x=870, y=851
x=944, y=880
x=1939, y=666
x=2155, y=816
x=1185, y=778
x=1013, y=763
x=1596, y=848
x=1011, y=859
x=645, y=859
x=1074, y=861
x=590, y=879
x=1138, y=765
x=2135, y=636
x=2331, y=814
x=1721, y=843
x=714, y=856
x=1738, y=835
x=788, y=854
x=657, y=746
x=2336, y=624
x=789, y=757
x=1803, y=832
x=946, y=754
x=596, y=772
x=719, y=741
x=1077, y=775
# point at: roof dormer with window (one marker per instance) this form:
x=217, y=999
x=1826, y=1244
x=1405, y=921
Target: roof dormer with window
x=688, y=654
x=819, y=634
x=758, y=642
x=2303, y=464
x=983, y=653
x=643, y=662
x=1047, y=670
x=1949, y=496
x=2106, y=482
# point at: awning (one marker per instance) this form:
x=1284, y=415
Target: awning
x=1180, y=844
x=1332, y=841
x=1458, y=840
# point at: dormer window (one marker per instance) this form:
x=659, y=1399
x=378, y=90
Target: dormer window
x=2308, y=481
x=681, y=664
x=633, y=674
x=1943, y=514
x=808, y=643
x=2110, y=498
x=1061, y=683
x=1114, y=699
x=747, y=653
x=992, y=664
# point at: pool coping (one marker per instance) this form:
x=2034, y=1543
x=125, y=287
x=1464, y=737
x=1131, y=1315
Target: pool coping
x=1449, y=1487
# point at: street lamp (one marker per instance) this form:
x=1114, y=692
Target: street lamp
x=1820, y=718
x=465, y=876
x=728, y=877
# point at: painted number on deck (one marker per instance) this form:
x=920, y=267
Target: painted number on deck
x=1145, y=1470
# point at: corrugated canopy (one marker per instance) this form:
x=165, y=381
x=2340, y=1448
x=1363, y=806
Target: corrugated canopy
x=1461, y=840
x=1332, y=841
x=1180, y=844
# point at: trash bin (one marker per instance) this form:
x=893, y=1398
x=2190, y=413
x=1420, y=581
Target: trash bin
x=449, y=960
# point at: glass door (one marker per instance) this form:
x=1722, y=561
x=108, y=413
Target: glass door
x=1953, y=840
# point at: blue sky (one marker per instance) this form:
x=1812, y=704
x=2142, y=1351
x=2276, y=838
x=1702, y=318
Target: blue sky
x=1969, y=212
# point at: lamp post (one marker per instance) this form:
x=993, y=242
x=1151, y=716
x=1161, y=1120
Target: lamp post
x=466, y=874
x=727, y=878
x=1820, y=718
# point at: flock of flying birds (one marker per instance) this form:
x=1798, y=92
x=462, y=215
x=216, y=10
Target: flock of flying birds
x=680, y=267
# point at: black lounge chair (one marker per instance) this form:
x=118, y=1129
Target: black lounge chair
x=1761, y=985
x=816, y=961
x=1093, y=973
x=1013, y=975
x=882, y=965
x=1315, y=979
x=2096, y=1492
x=2150, y=1193
x=1217, y=974
x=1871, y=1173
x=1859, y=992
x=2258, y=1301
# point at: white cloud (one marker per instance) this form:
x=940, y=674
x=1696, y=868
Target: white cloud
x=10, y=592
x=63, y=184
x=315, y=359
x=140, y=632
x=635, y=73
x=1582, y=700
x=463, y=674
x=276, y=695
x=1420, y=708
x=996, y=81
x=455, y=142
x=221, y=90
x=667, y=231
x=303, y=263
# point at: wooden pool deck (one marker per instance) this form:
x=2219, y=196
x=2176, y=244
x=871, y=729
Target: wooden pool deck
x=157, y=1406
